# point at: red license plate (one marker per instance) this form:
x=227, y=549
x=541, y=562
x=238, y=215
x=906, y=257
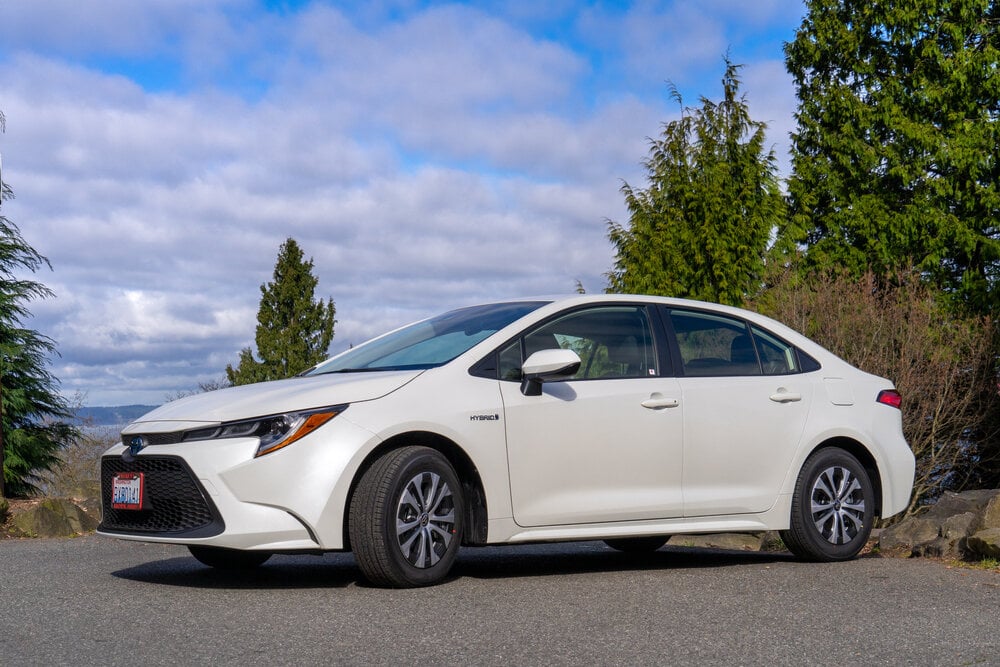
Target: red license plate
x=126, y=490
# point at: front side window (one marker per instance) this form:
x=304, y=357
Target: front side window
x=612, y=342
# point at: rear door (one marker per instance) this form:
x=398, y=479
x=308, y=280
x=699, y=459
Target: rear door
x=745, y=404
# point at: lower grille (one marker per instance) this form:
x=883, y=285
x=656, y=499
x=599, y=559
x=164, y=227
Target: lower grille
x=174, y=505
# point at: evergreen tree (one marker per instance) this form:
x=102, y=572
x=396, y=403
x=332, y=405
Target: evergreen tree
x=32, y=430
x=293, y=331
x=702, y=227
x=895, y=160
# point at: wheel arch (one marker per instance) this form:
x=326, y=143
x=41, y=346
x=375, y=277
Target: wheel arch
x=864, y=457
x=472, y=484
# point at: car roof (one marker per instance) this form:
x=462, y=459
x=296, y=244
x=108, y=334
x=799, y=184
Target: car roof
x=560, y=302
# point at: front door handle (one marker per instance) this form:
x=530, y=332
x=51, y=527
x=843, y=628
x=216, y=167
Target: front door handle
x=785, y=396
x=658, y=402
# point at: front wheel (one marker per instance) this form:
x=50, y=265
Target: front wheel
x=406, y=518
x=833, y=508
x=228, y=559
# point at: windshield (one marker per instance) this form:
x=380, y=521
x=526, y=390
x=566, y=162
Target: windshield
x=429, y=343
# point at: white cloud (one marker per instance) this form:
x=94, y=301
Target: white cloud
x=442, y=156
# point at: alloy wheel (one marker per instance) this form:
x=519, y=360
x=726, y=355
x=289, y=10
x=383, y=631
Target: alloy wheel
x=425, y=519
x=837, y=505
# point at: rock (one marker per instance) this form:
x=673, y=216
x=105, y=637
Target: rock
x=991, y=515
x=941, y=547
x=909, y=532
x=91, y=506
x=945, y=530
x=52, y=517
x=951, y=503
x=960, y=525
x=985, y=543
x=731, y=541
x=771, y=541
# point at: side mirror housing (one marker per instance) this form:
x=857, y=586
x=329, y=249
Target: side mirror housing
x=547, y=366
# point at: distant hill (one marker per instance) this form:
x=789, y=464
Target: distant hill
x=117, y=415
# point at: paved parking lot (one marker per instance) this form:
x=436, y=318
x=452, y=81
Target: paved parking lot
x=93, y=600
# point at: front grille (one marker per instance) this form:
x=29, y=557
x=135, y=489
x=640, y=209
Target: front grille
x=174, y=503
x=171, y=438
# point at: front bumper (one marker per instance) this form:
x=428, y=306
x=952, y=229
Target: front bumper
x=215, y=493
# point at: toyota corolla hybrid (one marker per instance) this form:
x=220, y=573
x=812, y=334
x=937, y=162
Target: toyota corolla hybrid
x=618, y=418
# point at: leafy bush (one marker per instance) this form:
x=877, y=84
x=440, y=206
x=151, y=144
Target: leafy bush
x=943, y=363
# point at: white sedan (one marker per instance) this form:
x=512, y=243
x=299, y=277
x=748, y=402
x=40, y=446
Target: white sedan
x=619, y=418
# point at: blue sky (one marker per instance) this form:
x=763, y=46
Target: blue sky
x=426, y=155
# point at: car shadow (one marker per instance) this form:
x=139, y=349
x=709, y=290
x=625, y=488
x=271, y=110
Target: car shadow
x=334, y=570
x=338, y=570
x=555, y=560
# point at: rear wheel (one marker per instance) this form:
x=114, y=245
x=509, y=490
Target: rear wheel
x=833, y=508
x=634, y=545
x=228, y=559
x=406, y=518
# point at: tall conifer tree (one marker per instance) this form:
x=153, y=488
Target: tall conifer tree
x=33, y=427
x=293, y=330
x=895, y=159
x=702, y=226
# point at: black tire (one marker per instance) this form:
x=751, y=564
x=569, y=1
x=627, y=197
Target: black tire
x=228, y=559
x=833, y=508
x=421, y=549
x=637, y=545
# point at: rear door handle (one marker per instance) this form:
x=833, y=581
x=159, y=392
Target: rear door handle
x=659, y=402
x=783, y=396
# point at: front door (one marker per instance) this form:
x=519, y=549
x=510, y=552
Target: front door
x=605, y=445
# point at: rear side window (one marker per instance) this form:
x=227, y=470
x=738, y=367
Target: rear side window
x=776, y=356
x=712, y=344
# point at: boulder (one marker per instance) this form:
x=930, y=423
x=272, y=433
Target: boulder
x=909, y=532
x=984, y=544
x=991, y=514
x=52, y=517
x=731, y=541
x=959, y=525
x=945, y=530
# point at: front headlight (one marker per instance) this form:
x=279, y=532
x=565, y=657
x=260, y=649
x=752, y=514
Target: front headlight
x=273, y=432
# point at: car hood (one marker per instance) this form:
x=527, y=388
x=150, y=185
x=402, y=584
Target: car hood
x=268, y=398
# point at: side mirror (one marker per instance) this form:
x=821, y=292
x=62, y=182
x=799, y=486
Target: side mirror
x=547, y=366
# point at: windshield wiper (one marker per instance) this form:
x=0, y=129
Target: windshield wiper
x=354, y=370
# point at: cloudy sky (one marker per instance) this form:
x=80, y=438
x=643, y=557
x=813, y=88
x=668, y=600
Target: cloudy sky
x=425, y=155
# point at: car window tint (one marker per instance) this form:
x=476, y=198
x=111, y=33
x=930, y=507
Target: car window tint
x=612, y=342
x=714, y=344
x=776, y=356
x=510, y=362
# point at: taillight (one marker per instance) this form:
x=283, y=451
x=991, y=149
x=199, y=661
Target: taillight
x=890, y=397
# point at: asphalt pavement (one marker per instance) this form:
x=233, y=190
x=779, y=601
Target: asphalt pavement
x=99, y=601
